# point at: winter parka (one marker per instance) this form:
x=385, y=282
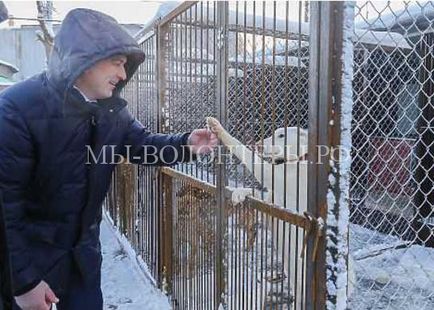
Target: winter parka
x=51, y=189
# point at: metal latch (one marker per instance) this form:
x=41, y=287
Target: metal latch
x=316, y=226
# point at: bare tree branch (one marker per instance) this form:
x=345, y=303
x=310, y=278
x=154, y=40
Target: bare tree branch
x=45, y=15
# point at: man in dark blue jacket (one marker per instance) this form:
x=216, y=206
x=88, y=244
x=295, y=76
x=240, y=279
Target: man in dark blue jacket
x=51, y=192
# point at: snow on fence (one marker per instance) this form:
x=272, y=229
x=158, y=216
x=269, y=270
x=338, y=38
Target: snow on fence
x=357, y=76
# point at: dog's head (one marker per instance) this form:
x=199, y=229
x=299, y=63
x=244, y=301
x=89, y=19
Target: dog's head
x=286, y=144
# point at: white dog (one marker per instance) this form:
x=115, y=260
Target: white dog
x=286, y=184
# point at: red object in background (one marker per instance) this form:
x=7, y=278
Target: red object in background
x=390, y=165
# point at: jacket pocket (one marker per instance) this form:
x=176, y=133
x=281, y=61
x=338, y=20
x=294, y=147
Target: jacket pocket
x=57, y=275
x=87, y=255
x=88, y=260
x=48, y=255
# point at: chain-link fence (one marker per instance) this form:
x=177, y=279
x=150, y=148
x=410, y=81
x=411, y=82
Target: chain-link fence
x=391, y=173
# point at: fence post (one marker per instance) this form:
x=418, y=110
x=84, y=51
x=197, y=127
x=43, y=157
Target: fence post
x=325, y=103
x=162, y=33
x=166, y=257
x=221, y=90
x=164, y=186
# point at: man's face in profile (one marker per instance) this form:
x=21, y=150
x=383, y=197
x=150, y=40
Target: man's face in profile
x=99, y=81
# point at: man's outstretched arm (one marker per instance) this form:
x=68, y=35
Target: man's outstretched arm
x=149, y=148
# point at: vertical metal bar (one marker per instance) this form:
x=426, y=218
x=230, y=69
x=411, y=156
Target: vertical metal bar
x=221, y=23
x=208, y=100
x=265, y=220
x=334, y=107
x=168, y=231
x=191, y=84
x=161, y=72
x=232, y=281
x=424, y=196
x=161, y=51
x=183, y=80
x=297, y=230
x=324, y=92
x=314, y=99
x=202, y=275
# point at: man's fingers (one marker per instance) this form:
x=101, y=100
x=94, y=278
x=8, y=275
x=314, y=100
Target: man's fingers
x=50, y=297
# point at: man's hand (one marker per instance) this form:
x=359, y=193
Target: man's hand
x=39, y=298
x=202, y=141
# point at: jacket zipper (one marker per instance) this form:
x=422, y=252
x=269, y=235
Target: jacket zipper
x=92, y=134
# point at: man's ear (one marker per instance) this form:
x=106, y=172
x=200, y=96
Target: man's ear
x=82, y=75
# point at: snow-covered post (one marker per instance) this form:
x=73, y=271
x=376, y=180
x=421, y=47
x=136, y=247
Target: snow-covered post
x=330, y=103
x=166, y=185
x=221, y=97
x=339, y=176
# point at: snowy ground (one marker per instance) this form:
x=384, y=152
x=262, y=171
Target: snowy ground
x=390, y=273
x=123, y=286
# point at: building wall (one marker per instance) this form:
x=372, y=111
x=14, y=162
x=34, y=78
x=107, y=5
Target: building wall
x=20, y=47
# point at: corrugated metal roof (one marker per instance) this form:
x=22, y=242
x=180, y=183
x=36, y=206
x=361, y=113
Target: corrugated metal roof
x=420, y=14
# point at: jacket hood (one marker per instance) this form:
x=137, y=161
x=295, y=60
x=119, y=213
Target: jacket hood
x=84, y=38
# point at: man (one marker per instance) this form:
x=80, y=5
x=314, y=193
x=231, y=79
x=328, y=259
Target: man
x=51, y=187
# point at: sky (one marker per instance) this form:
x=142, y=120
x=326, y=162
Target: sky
x=139, y=12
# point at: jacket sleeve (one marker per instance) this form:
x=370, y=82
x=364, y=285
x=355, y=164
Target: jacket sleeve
x=143, y=147
x=16, y=167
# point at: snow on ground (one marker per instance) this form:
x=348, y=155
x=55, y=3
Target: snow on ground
x=123, y=286
x=390, y=274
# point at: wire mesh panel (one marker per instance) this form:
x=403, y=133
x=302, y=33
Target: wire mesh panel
x=266, y=114
x=190, y=76
x=122, y=199
x=190, y=90
x=391, y=172
x=133, y=202
x=191, y=221
x=148, y=217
